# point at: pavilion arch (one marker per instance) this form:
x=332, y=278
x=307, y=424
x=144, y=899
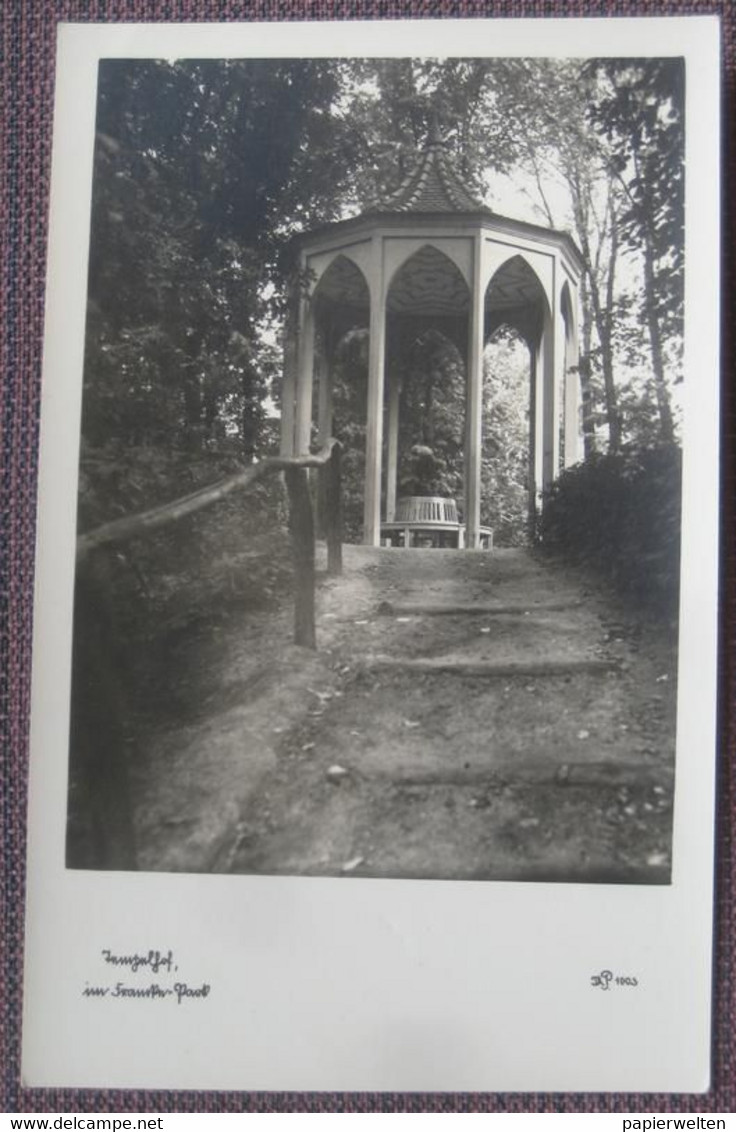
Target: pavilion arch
x=515, y=297
x=419, y=257
x=431, y=261
x=427, y=292
x=339, y=301
x=428, y=289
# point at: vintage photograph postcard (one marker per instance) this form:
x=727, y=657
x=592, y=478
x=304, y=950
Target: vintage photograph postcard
x=374, y=698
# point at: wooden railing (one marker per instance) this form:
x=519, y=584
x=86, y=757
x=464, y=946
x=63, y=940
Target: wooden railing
x=301, y=522
x=99, y=750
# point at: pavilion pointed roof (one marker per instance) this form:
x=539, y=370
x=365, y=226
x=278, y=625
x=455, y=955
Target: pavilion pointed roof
x=433, y=185
x=432, y=198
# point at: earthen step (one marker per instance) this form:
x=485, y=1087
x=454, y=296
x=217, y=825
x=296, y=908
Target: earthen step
x=629, y=774
x=489, y=668
x=391, y=609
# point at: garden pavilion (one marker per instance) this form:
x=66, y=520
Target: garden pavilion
x=430, y=256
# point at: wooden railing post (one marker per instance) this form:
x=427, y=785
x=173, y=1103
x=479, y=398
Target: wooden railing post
x=301, y=529
x=322, y=516
x=332, y=496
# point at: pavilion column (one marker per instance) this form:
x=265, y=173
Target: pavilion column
x=550, y=415
x=535, y=434
x=392, y=454
x=572, y=398
x=305, y=380
x=374, y=425
x=474, y=405
x=325, y=397
x=323, y=367
x=288, y=388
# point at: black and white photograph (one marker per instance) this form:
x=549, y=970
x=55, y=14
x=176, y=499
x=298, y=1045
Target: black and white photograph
x=374, y=688
x=380, y=467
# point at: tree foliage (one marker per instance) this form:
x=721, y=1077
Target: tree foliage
x=639, y=106
x=205, y=169
x=505, y=472
x=202, y=169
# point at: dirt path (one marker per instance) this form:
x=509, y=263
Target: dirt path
x=469, y=715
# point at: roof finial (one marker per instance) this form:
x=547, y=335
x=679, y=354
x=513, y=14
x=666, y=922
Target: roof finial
x=432, y=186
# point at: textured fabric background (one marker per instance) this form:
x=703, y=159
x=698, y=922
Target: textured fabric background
x=27, y=84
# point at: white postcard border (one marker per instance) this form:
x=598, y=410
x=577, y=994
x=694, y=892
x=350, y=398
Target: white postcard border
x=347, y=984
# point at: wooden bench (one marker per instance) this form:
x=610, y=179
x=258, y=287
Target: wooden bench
x=429, y=520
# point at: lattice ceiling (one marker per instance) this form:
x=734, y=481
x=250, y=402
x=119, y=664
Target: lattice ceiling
x=429, y=284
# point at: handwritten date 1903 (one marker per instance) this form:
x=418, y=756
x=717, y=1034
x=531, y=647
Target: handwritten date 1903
x=604, y=980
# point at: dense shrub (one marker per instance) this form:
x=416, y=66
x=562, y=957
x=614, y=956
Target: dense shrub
x=620, y=515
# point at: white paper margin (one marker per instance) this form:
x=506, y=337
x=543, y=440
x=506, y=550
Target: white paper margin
x=373, y=984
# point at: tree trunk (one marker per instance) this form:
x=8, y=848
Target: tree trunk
x=602, y=320
x=586, y=384
x=666, y=426
x=601, y=316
